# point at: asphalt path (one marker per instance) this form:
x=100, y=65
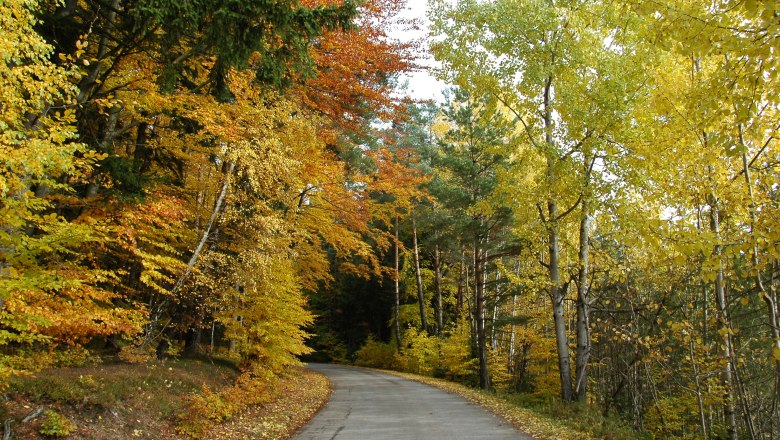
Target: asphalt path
x=367, y=405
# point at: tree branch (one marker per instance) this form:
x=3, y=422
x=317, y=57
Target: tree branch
x=568, y=211
x=520, y=118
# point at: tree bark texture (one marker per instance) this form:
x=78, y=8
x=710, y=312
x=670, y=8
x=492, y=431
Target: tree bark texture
x=479, y=306
x=438, y=302
x=725, y=327
x=420, y=291
x=397, y=287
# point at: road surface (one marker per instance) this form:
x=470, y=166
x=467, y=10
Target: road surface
x=368, y=405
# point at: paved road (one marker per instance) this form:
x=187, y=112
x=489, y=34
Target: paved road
x=367, y=405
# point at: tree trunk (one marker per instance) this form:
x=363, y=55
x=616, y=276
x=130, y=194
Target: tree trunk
x=396, y=313
x=479, y=306
x=420, y=292
x=493, y=335
x=192, y=341
x=215, y=213
x=463, y=281
x=438, y=303
x=725, y=330
x=556, y=293
x=767, y=294
x=107, y=141
x=511, y=351
x=583, y=300
x=583, y=313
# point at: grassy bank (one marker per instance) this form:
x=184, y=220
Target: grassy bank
x=175, y=399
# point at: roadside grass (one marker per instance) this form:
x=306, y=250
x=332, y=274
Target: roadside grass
x=299, y=396
x=544, y=420
x=174, y=399
x=155, y=385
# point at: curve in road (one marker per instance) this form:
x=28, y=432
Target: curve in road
x=367, y=405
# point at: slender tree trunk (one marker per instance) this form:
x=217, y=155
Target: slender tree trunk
x=215, y=213
x=583, y=292
x=767, y=293
x=583, y=309
x=89, y=83
x=493, y=337
x=511, y=351
x=697, y=383
x=107, y=141
x=556, y=292
x=463, y=281
x=479, y=306
x=396, y=313
x=438, y=302
x=420, y=292
x=213, y=328
x=720, y=297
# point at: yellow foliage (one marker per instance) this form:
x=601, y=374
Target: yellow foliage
x=420, y=352
x=208, y=407
x=376, y=354
x=456, y=361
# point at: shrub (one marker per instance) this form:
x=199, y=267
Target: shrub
x=55, y=424
x=420, y=352
x=456, y=362
x=208, y=407
x=376, y=354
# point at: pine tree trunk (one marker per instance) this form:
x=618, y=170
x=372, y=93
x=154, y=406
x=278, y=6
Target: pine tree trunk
x=396, y=313
x=479, y=306
x=493, y=336
x=438, y=303
x=463, y=281
x=420, y=292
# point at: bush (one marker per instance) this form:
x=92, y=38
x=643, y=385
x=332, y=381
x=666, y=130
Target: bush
x=55, y=424
x=420, y=352
x=208, y=408
x=456, y=363
x=376, y=354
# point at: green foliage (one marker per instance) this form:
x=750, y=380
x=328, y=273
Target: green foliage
x=582, y=418
x=55, y=424
x=276, y=35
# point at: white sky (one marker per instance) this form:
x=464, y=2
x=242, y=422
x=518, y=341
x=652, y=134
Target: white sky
x=421, y=84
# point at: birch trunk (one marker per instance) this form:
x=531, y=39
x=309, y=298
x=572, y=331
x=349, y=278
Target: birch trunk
x=725, y=330
x=556, y=293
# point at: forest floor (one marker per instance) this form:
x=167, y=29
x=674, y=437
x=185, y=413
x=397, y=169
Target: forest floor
x=153, y=401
